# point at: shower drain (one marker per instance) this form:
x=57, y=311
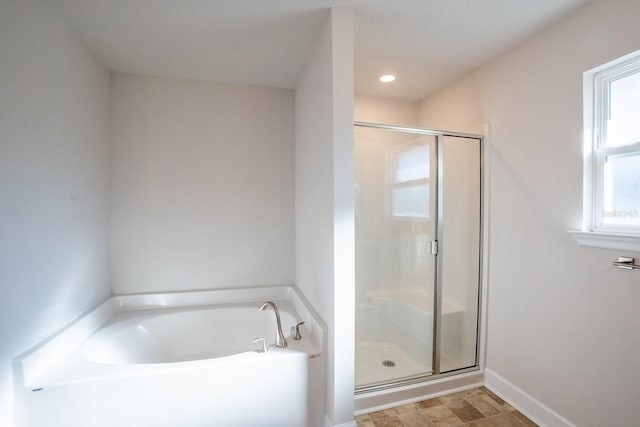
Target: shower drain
x=388, y=363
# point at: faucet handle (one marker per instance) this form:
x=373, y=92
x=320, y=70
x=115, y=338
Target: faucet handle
x=297, y=336
x=263, y=345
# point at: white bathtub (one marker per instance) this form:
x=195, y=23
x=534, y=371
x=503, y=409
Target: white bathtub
x=179, y=359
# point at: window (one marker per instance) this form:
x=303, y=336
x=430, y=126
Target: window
x=410, y=182
x=612, y=148
x=617, y=148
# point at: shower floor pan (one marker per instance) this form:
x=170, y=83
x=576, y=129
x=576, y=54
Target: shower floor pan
x=380, y=362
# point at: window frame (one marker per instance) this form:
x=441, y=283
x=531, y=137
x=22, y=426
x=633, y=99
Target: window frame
x=602, y=102
x=596, y=102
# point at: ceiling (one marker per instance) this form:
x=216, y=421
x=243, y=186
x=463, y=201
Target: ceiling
x=427, y=43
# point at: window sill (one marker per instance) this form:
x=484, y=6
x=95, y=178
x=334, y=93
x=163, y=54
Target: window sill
x=627, y=242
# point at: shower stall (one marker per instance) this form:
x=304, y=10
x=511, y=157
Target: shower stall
x=418, y=254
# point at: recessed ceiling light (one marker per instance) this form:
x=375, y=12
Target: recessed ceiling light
x=387, y=77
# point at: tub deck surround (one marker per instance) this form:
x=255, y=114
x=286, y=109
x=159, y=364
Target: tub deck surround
x=166, y=335
x=166, y=359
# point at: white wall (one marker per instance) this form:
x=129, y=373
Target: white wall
x=562, y=322
x=385, y=111
x=324, y=201
x=202, y=182
x=54, y=116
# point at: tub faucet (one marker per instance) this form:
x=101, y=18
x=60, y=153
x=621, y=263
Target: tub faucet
x=280, y=340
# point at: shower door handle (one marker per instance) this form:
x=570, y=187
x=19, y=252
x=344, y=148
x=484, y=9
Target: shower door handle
x=434, y=247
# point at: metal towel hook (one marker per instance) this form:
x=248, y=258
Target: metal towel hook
x=626, y=263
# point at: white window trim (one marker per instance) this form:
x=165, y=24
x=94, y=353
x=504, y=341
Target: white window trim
x=626, y=242
x=592, y=233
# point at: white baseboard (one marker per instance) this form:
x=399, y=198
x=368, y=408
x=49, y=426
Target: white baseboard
x=329, y=423
x=537, y=411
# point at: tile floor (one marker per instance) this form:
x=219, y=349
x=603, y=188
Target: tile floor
x=477, y=407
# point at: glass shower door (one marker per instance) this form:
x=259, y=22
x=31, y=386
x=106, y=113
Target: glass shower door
x=396, y=223
x=458, y=286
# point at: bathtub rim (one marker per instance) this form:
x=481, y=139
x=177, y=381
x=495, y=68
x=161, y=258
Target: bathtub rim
x=30, y=368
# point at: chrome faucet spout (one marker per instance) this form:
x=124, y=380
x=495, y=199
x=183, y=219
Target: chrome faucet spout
x=280, y=340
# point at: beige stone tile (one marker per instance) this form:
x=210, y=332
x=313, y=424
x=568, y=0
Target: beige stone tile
x=492, y=395
x=523, y=419
x=405, y=408
x=362, y=418
x=460, y=395
x=428, y=403
x=374, y=416
x=437, y=413
x=388, y=422
x=497, y=399
x=473, y=408
x=487, y=406
x=415, y=419
x=507, y=419
x=451, y=421
x=465, y=411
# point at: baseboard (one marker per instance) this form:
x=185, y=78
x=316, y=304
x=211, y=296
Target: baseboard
x=329, y=423
x=535, y=410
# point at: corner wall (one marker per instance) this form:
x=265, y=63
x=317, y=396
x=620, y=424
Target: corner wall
x=202, y=185
x=54, y=116
x=324, y=202
x=385, y=111
x=562, y=321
